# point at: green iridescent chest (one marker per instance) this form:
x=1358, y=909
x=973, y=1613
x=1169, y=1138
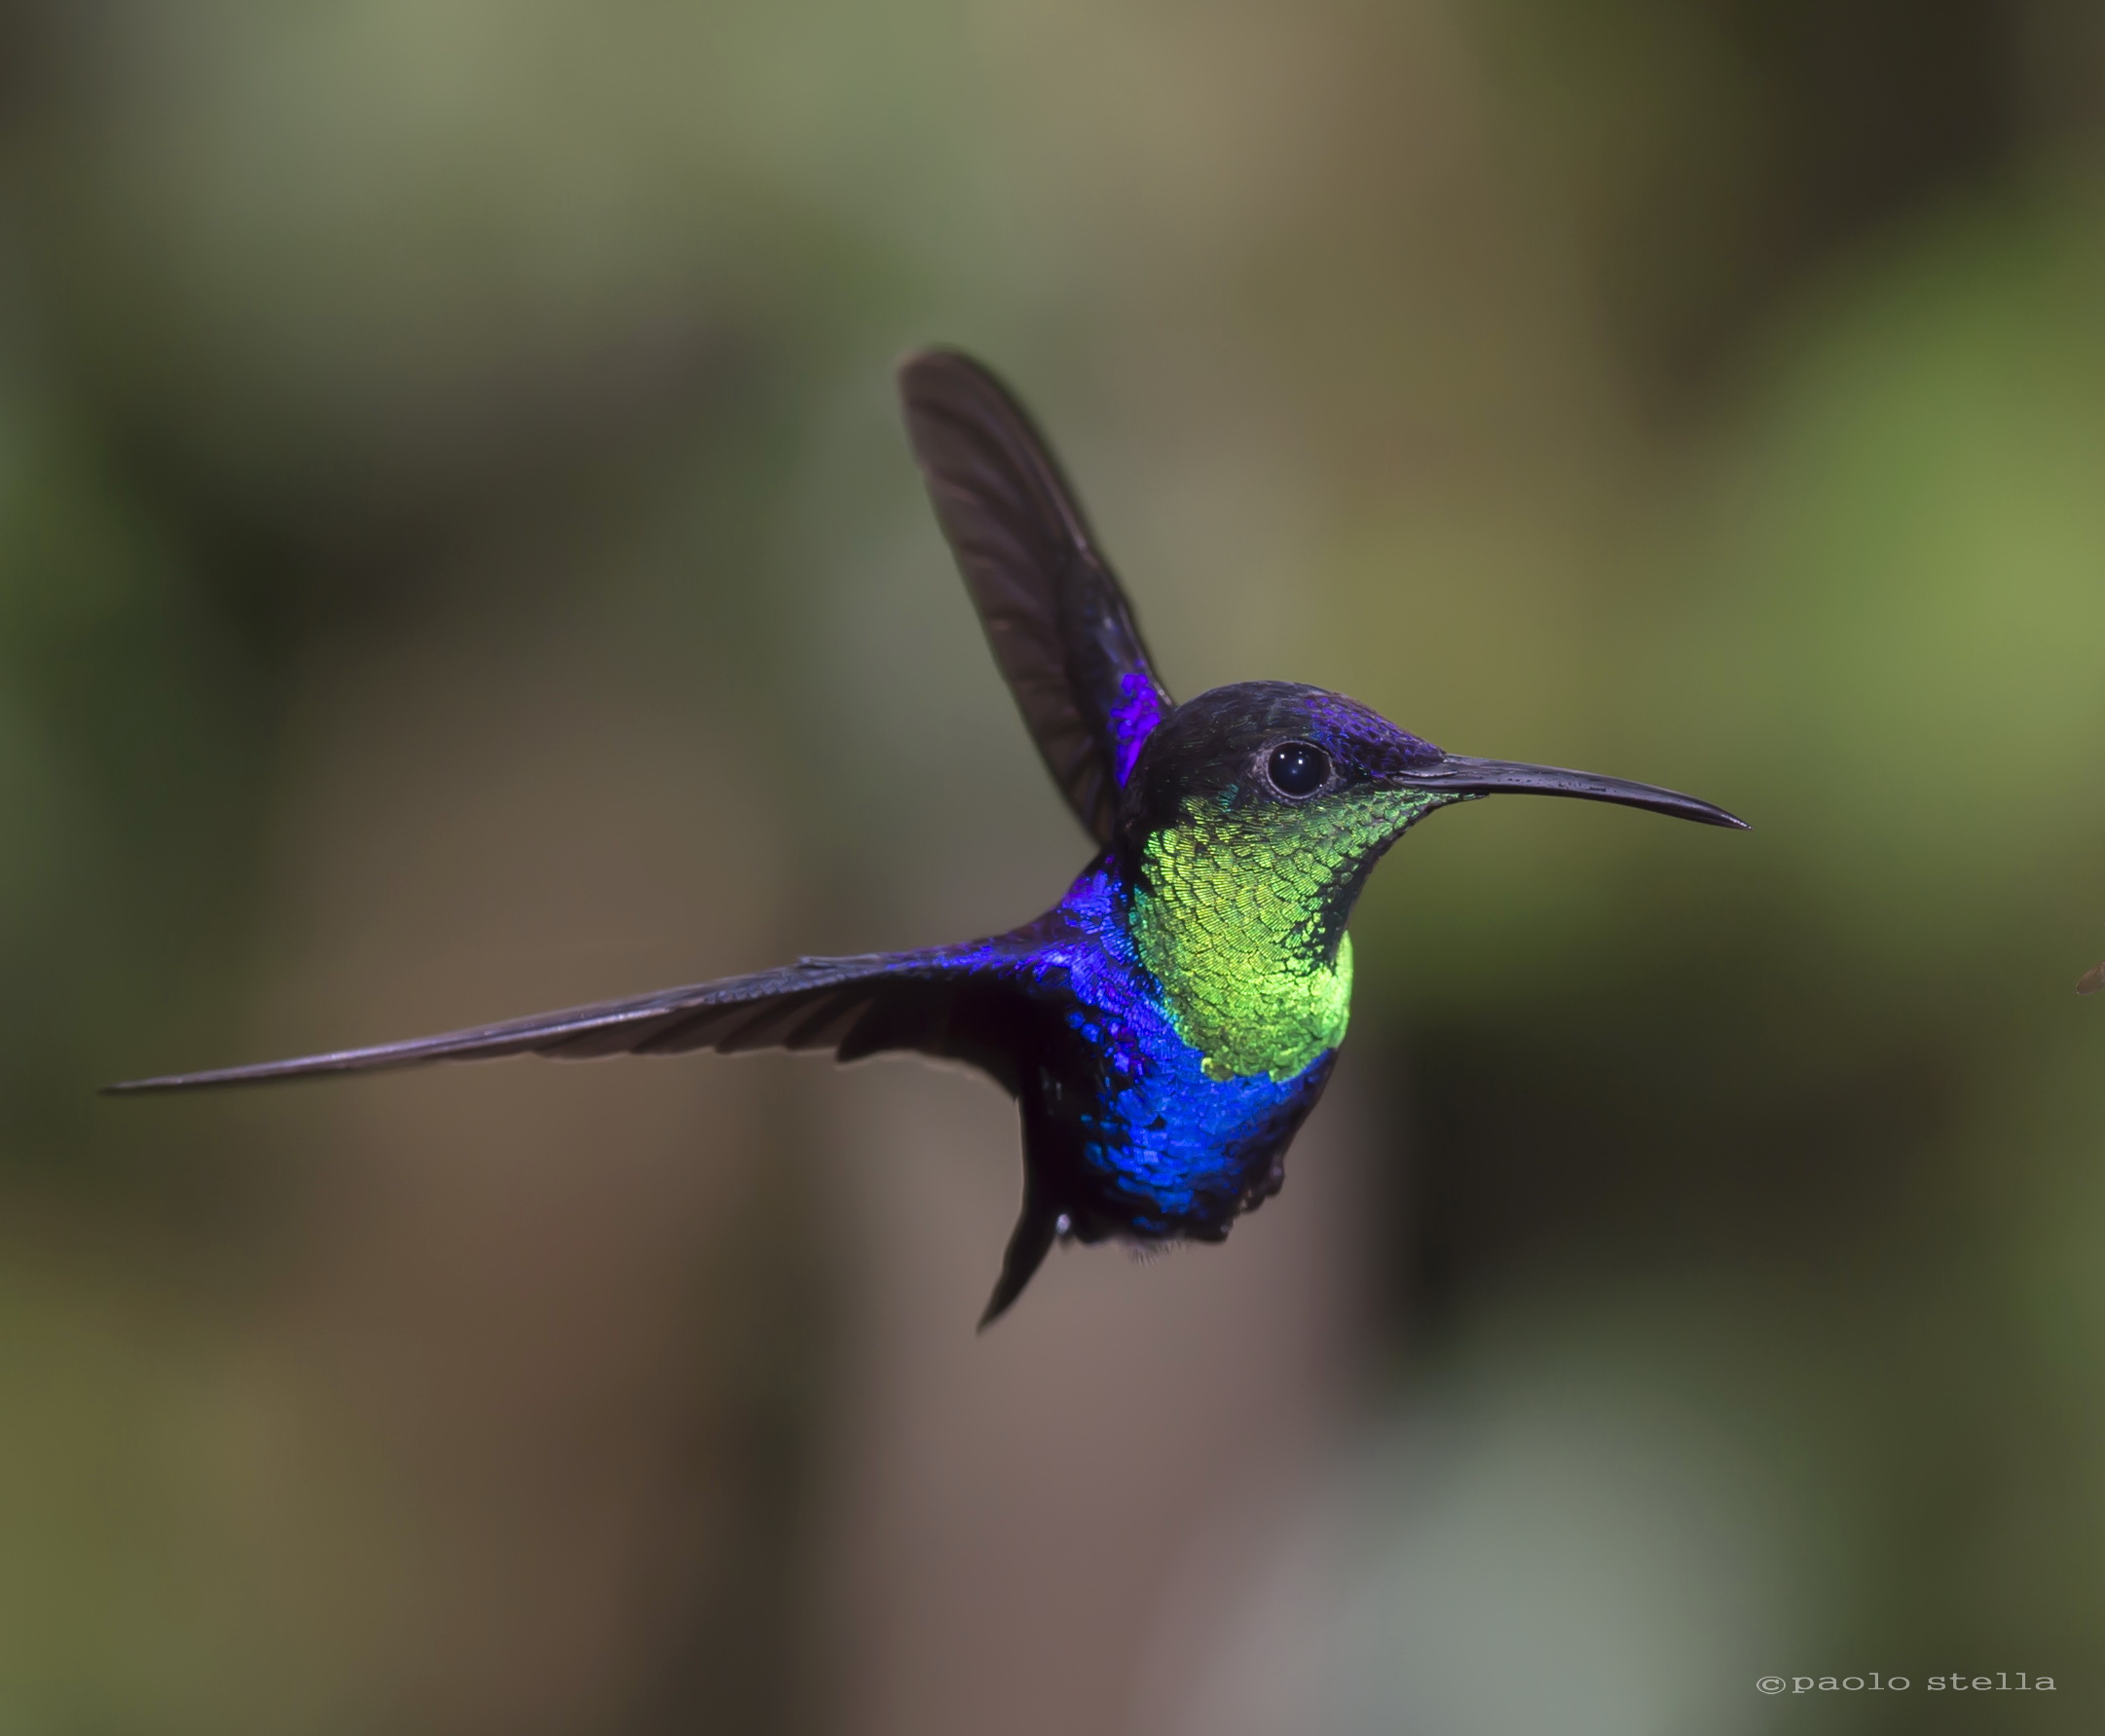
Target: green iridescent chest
x=1240, y=914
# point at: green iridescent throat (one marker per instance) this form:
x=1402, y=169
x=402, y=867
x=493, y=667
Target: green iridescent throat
x=1240, y=913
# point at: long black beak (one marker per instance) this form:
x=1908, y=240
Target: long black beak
x=1463, y=776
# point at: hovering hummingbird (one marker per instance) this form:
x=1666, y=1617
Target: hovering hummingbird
x=1168, y=1025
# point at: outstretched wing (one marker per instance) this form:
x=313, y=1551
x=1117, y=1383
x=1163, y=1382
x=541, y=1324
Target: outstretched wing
x=1061, y=629
x=949, y=1001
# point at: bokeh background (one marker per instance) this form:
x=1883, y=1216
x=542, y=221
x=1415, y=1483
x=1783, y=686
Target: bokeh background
x=458, y=556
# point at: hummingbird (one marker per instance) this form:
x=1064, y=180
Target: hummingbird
x=1165, y=1028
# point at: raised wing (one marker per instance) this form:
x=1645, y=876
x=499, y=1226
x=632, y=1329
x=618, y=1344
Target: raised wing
x=948, y=1000
x=1061, y=630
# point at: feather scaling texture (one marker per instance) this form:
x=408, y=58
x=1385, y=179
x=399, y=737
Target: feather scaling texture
x=1237, y=914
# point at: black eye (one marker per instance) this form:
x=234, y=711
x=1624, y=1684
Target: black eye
x=1298, y=768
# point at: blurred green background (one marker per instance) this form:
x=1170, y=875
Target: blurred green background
x=458, y=556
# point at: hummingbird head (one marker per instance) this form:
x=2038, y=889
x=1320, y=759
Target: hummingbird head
x=1252, y=817
x=1244, y=833
x=1294, y=761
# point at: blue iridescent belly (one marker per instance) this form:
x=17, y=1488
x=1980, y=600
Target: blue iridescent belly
x=1149, y=1145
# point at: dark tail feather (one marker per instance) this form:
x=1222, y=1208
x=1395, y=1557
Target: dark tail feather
x=1028, y=1249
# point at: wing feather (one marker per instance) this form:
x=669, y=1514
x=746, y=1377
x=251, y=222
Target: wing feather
x=1059, y=624
x=902, y=999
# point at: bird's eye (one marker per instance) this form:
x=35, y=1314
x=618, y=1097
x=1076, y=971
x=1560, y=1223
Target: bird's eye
x=1298, y=768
